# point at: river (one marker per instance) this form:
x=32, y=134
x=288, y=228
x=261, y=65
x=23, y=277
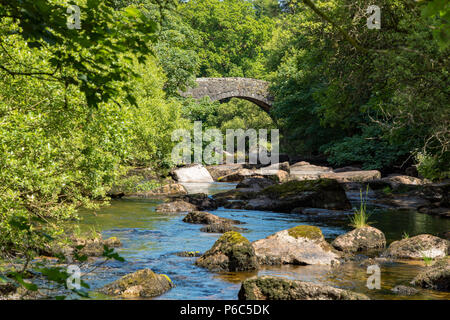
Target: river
x=151, y=240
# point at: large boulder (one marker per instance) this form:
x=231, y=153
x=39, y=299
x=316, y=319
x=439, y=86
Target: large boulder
x=360, y=239
x=306, y=171
x=326, y=194
x=255, y=183
x=176, y=206
x=231, y=252
x=301, y=245
x=418, y=247
x=436, y=277
x=352, y=176
x=201, y=200
x=143, y=283
x=274, y=288
x=438, y=193
x=194, y=173
x=222, y=170
x=396, y=180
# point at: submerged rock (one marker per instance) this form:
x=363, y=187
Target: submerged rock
x=193, y=173
x=418, y=247
x=176, y=206
x=301, y=245
x=143, y=283
x=436, y=277
x=404, y=290
x=231, y=252
x=323, y=193
x=273, y=288
x=360, y=239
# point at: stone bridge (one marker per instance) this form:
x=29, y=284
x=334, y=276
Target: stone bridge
x=219, y=89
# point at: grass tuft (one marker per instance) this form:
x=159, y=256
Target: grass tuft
x=361, y=218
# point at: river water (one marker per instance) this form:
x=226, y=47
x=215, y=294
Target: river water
x=151, y=240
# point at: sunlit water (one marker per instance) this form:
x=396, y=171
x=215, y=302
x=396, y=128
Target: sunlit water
x=150, y=240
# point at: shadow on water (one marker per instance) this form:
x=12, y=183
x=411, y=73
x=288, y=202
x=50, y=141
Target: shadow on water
x=151, y=239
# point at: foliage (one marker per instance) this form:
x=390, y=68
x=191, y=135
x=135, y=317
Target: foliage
x=375, y=103
x=87, y=58
x=232, y=37
x=57, y=153
x=433, y=167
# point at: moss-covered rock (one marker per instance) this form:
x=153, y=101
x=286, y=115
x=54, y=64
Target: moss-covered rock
x=436, y=277
x=168, y=190
x=231, y=252
x=143, y=283
x=90, y=246
x=301, y=245
x=309, y=232
x=292, y=188
x=322, y=193
x=272, y=288
x=360, y=239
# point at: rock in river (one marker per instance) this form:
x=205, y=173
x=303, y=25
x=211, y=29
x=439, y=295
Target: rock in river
x=194, y=173
x=360, y=239
x=301, y=245
x=353, y=176
x=231, y=252
x=418, y=247
x=176, y=206
x=404, y=290
x=436, y=277
x=322, y=193
x=143, y=283
x=214, y=223
x=199, y=217
x=255, y=183
x=274, y=288
x=173, y=189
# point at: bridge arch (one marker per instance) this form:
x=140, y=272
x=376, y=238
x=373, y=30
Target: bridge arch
x=219, y=89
